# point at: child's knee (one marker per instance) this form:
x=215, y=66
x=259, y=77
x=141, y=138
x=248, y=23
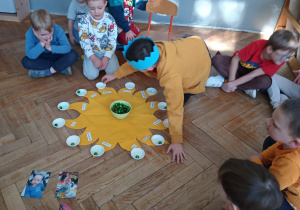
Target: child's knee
x=91, y=75
x=73, y=56
x=26, y=62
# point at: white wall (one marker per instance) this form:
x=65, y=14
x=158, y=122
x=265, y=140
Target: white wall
x=246, y=15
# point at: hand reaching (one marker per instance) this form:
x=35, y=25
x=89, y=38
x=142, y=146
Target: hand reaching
x=178, y=153
x=129, y=35
x=297, y=80
x=108, y=77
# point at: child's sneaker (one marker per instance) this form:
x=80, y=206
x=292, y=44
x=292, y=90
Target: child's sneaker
x=67, y=71
x=251, y=93
x=216, y=81
x=36, y=73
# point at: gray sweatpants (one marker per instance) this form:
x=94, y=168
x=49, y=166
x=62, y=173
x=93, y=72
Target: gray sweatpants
x=91, y=72
x=281, y=90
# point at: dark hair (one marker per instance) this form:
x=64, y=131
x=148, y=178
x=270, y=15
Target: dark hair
x=283, y=40
x=249, y=185
x=291, y=108
x=139, y=50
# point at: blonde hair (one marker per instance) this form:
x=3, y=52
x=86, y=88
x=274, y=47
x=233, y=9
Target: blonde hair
x=95, y=0
x=41, y=19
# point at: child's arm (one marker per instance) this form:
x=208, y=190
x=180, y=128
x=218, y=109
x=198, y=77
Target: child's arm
x=231, y=86
x=116, y=10
x=33, y=49
x=233, y=67
x=286, y=172
x=70, y=29
x=123, y=71
x=64, y=45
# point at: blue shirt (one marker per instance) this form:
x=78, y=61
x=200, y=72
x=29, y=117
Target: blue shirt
x=59, y=43
x=34, y=192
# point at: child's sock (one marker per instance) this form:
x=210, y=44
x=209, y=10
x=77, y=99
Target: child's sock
x=48, y=72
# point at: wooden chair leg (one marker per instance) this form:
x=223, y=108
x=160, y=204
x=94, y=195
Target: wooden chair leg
x=149, y=21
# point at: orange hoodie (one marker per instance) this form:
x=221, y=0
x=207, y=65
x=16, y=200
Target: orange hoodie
x=183, y=67
x=285, y=166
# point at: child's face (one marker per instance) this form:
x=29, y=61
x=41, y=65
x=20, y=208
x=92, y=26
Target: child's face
x=68, y=180
x=278, y=129
x=44, y=34
x=97, y=8
x=36, y=180
x=279, y=56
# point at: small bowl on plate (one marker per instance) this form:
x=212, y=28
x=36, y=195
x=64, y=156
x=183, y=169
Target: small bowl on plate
x=162, y=105
x=58, y=122
x=158, y=139
x=137, y=153
x=63, y=106
x=130, y=85
x=73, y=141
x=100, y=85
x=97, y=150
x=81, y=92
x=166, y=123
x=151, y=91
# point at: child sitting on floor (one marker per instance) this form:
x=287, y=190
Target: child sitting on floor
x=182, y=68
x=281, y=150
x=98, y=34
x=47, y=48
x=248, y=186
x=76, y=10
x=252, y=67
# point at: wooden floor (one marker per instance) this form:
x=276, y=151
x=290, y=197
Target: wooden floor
x=217, y=126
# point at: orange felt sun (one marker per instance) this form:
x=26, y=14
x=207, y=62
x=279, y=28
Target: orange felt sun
x=99, y=123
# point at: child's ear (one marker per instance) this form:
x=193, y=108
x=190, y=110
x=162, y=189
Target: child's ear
x=269, y=49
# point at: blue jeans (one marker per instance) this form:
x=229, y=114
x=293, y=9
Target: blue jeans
x=267, y=143
x=58, y=62
x=141, y=5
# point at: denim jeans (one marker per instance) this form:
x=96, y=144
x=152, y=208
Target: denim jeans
x=59, y=62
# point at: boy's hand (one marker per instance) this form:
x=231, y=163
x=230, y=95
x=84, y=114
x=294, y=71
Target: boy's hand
x=178, y=153
x=96, y=61
x=129, y=35
x=48, y=43
x=108, y=77
x=228, y=87
x=104, y=63
x=297, y=80
x=42, y=42
x=72, y=39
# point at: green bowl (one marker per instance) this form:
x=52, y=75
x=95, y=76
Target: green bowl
x=120, y=116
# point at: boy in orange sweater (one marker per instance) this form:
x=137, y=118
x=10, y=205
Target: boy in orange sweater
x=281, y=150
x=182, y=68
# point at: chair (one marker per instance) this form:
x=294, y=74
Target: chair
x=164, y=7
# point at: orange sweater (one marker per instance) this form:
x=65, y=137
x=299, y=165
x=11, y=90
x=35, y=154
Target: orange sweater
x=183, y=67
x=285, y=165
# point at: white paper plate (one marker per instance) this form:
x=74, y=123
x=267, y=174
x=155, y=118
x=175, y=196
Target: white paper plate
x=130, y=85
x=63, y=106
x=151, y=91
x=81, y=92
x=166, y=123
x=162, y=105
x=100, y=85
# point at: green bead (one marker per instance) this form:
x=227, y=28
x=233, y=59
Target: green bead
x=78, y=91
x=55, y=124
x=160, y=142
x=72, y=144
x=60, y=107
x=165, y=107
x=95, y=153
x=137, y=156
